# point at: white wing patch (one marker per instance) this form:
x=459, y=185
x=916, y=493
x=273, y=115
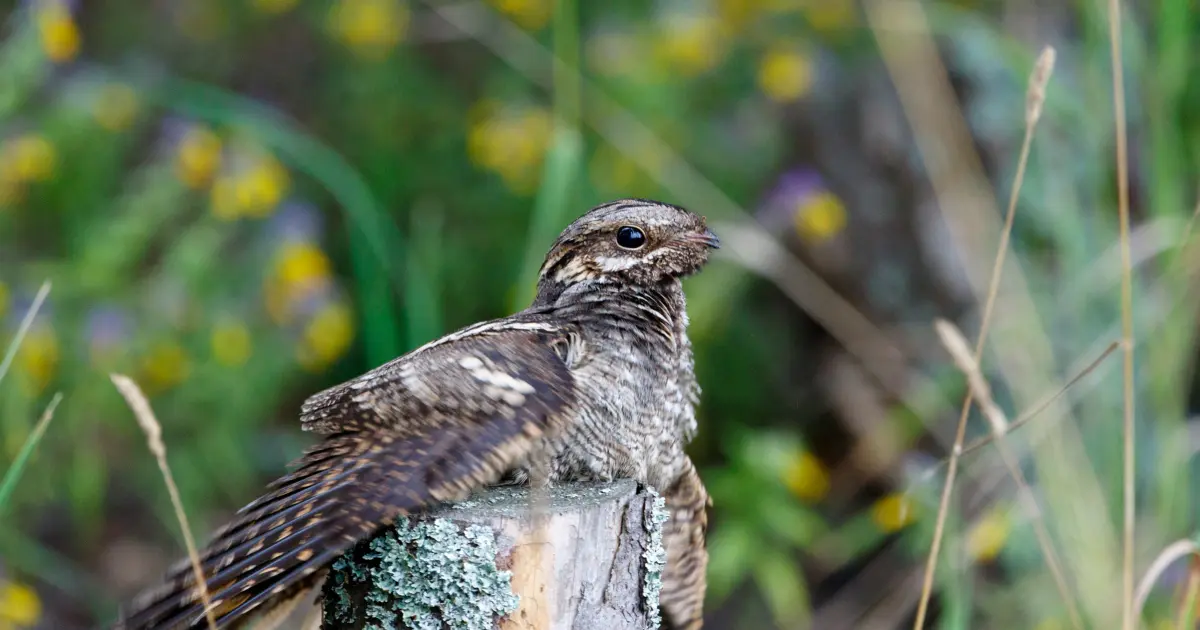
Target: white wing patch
x=497, y=385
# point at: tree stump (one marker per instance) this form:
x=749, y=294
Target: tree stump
x=574, y=557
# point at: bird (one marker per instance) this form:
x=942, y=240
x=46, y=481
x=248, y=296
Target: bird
x=594, y=381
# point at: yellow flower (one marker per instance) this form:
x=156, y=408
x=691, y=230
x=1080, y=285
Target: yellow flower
x=39, y=356
x=988, y=536
x=300, y=269
x=20, y=605
x=261, y=188
x=785, y=75
x=165, y=365
x=369, y=27
x=116, y=107
x=252, y=191
x=512, y=142
x=57, y=31
x=893, y=512
x=28, y=158
x=302, y=264
x=274, y=7
x=326, y=337
x=231, y=343
x=820, y=216
x=806, y=477
x=198, y=157
x=691, y=45
x=530, y=14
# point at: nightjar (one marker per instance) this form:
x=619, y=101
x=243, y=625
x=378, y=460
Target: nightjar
x=594, y=381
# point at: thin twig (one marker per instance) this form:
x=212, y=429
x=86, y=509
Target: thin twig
x=1033, y=412
x=153, y=430
x=13, y=474
x=1034, y=99
x=1022, y=419
x=956, y=344
x=1114, y=33
x=1174, y=551
x=23, y=329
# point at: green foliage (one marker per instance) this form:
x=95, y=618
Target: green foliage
x=292, y=192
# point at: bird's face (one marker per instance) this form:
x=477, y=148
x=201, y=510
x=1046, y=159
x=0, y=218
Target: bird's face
x=634, y=241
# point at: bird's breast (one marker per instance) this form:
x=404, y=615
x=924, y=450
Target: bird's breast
x=633, y=418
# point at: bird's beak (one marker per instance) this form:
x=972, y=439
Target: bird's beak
x=706, y=237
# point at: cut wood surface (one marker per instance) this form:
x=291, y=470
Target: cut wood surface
x=573, y=557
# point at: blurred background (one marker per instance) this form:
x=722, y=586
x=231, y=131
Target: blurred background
x=241, y=202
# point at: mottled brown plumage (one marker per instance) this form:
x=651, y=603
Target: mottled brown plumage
x=594, y=381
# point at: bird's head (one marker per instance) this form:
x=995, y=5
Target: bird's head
x=634, y=241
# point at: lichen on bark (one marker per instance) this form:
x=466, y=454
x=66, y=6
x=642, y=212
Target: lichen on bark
x=424, y=575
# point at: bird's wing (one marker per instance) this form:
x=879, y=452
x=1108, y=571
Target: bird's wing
x=395, y=394
x=471, y=409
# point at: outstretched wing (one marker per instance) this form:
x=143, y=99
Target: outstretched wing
x=429, y=427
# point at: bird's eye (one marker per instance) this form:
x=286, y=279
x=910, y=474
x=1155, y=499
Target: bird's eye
x=630, y=237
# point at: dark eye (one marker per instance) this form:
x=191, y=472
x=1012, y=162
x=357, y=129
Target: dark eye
x=630, y=237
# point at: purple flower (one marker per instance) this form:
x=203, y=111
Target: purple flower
x=296, y=221
x=793, y=188
x=107, y=326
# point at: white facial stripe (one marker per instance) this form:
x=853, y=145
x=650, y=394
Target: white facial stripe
x=616, y=263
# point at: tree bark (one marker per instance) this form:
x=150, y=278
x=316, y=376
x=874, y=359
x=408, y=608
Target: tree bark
x=572, y=557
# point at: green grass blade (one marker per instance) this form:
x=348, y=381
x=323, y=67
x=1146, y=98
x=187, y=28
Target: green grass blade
x=552, y=209
x=13, y=474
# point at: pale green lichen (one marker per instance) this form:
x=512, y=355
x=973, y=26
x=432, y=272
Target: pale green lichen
x=655, y=556
x=428, y=575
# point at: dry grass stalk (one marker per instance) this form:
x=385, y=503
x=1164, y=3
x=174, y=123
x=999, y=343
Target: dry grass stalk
x=1035, y=99
x=956, y=345
x=1174, y=551
x=153, y=430
x=1024, y=418
x=1035, y=95
x=1128, y=619
x=23, y=328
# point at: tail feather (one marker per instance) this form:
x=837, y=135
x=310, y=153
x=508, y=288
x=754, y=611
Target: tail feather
x=254, y=600
x=314, y=515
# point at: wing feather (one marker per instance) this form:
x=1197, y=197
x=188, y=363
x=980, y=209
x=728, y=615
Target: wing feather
x=488, y=399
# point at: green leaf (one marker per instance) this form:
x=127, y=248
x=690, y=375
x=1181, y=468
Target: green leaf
x=551, y=210
x=794, y=523
x=732, y=549
x=13, y=474
x=780, y=581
